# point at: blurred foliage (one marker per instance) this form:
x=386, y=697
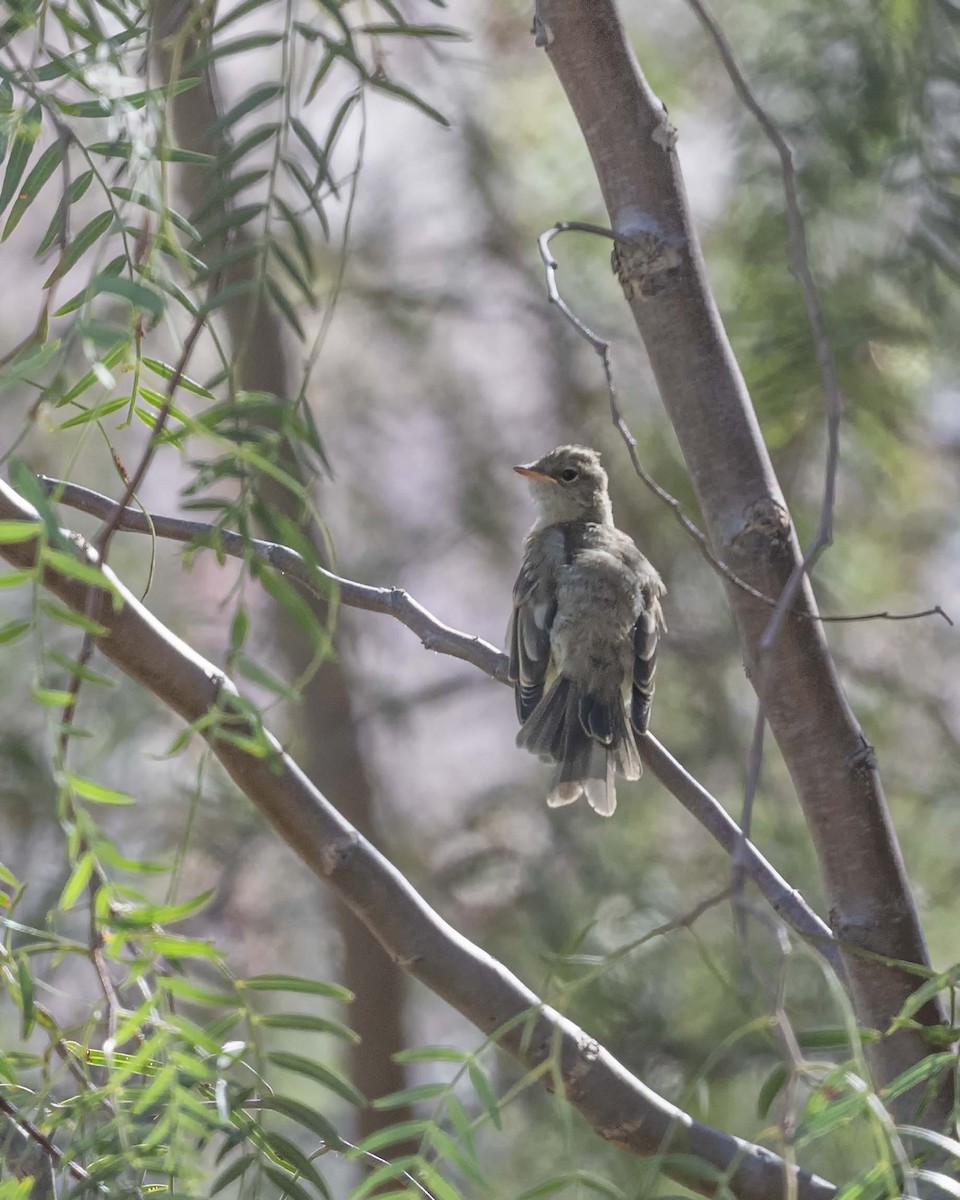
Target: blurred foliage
x=137, y=1047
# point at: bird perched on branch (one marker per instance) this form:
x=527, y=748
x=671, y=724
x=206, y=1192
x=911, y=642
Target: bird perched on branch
x=583, y=634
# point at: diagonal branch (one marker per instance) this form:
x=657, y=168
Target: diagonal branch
x=619, y=1106
x=785, y=900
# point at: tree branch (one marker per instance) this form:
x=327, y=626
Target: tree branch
x=660, y=267
x=618, y=1106
x=785, y=900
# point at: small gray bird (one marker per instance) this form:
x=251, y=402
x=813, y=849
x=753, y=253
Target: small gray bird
x=583, y=634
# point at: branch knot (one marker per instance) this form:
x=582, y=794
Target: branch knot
x=644, y=264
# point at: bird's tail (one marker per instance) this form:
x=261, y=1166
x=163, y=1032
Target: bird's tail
x=588, y=737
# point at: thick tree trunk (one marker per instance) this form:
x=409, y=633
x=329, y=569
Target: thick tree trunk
x=661, y=269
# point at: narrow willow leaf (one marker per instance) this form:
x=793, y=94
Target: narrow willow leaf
x=770, y=1089
x=176, y=948
x=295, y=983
x=233, y=218
x=89, y=789
x=307, y=1023
x=59, y=612
x=76, y=884
x=339, y=120
x=13, y=631
x=392, y=88
x=86, y=572
x=431, y=1054
x=287, y=310
x=406, y=1164
x=227, y=295
x=101, y=107
x=239, y=11
x=114, y=267
x=256, y=137
x=299, y=234
x=88, y=235
x=25, y=983
x=238, y=1167
x=411, y=1095
x=97, y=413
x=76, y=191
x=12, y=532
x=303, y=1115
x=155, y=206
x=291, y=268
x=402, y=1132
x=73, y=64
x=293, y=1159
x=52, y=697
x=927, y=1068
x=252, y=100
x=485, y=1093
x=186, y=989
x=309, y=188
x=317, y=1071
x=113, y=358
x=226, y=191
x=286, y=1183
x=45, y=166
x=165, y=371
x=128, y=289
x=16, y=578
x=312, y=148
x=322, y=71
x=162, y=153
x=438, y=1186
x=241, y=45
x=27, y=133
x=446, y=33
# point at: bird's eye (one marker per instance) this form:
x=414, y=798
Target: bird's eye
x=570, y=474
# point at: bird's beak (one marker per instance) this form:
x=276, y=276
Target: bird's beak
x=530, y=471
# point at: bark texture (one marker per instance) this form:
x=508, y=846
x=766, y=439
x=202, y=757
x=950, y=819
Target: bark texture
x=660, y=267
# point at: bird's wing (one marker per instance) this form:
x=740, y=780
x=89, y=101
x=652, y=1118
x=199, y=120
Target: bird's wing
x=646, y=639
x=534, y=610
x=646, y=632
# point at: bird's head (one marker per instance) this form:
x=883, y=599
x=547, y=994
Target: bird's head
x=569, y=484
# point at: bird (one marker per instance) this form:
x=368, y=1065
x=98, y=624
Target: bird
x=583, y=634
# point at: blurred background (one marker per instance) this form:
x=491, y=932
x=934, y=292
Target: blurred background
x=440, y=366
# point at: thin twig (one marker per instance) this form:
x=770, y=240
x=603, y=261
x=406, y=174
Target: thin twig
x=603, y=351
x=40, y=1138
x=434, y=635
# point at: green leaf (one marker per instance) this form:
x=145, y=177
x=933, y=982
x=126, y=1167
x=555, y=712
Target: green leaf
x=25, y=983
x=27, y=132
x=383, y=84
x=13, y=630
x=431, y=1054
x=303, y=1115
x=186, y=989
x=176, y=948
x=76, y=191
x=927, y=1068
x=45, y=166
x=16, y=578
x=405, y=1164
x=52, y=697
x=89, y=789
x=101, y=107
x=294, y=983
x=161, y=153
x=485, y=1093
x=435, y=32
x=926, y=992
x=75, y=568
x=318, y=1072
x=165, y=371
x=88, y=235
x=97, y=413
x=254, y=99
x=138, y=295
x=238, y=1167
x=411, y=1095
x=770, y=1089
x=12, y=532
x=306, y=1023
x=59, y=612
x=286, y=308
x=402, y=1132
x=76, y=884
x=293, y=1159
